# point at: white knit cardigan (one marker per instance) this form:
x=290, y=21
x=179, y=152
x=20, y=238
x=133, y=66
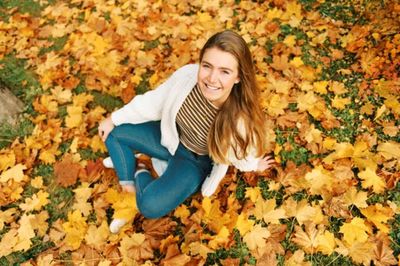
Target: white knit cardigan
x=163, y=103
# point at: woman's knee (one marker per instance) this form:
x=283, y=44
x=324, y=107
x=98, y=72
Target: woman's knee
x=151, y=211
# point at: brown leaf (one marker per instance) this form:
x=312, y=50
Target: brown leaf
x=90, y=256
x=157, y=229
x=230, y=262
x=383, y=253
x=66, y=171
x=92, y=171
x=174, y=257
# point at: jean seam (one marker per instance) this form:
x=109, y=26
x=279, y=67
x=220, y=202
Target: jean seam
x=122, y=155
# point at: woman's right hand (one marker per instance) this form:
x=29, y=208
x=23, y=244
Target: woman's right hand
x=105, y=127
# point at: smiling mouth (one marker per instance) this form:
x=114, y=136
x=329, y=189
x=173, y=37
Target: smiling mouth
x=211, y=87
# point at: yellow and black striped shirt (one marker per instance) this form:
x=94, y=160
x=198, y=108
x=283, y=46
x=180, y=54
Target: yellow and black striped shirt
x=194, y=120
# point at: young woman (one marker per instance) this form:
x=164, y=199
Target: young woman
x=201, y=120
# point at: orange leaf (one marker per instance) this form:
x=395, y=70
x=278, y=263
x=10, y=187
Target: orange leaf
x=66, y=171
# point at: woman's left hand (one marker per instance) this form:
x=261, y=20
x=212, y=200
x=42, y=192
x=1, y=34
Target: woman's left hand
x=265, y=163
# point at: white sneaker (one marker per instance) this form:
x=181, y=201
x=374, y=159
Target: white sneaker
x=159, y=165
x=141, y=171
x=116, y=225
x=107, y=162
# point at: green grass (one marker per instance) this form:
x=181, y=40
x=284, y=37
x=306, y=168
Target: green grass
x=21, y=82
x=238, y=251
x=16, y=258
x=9, y=132
x=31, y=7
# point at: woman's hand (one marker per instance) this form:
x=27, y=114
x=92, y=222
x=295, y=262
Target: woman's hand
x=105, y=128
x=265, y=163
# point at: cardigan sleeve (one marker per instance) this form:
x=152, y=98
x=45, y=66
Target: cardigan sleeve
x=148, y=106
x=250, y=162
x=212, y=181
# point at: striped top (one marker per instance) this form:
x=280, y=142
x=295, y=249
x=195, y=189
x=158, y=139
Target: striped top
x=194, y=120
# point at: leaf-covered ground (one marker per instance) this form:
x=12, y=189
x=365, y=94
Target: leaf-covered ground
x=329, y=71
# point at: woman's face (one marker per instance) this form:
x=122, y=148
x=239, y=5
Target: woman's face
x=218, y=72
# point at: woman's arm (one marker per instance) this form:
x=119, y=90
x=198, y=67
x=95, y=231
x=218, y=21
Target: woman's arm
x=149, y=106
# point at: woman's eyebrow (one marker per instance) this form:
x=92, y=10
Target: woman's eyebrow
x=223, y=68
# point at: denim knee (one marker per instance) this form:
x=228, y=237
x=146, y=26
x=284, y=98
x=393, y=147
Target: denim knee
x=149, y=209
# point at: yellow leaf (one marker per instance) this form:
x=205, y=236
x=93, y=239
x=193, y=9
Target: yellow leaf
x=97, y=144
x=182, y=212
x=45, y=260
x=389, y=150
x=198, y=248
x=279, y=85
x=125, y=208
x=256, y=238
x=8, y=241
x=243, y=224
x=337, y=87
x=128, y=242
x=342, y=150
x=355, y=231
x=220, y=239
x=368, y=108
x=329, y=143
x=297, y=259
x=392, y=103
x=7, y=217
x=360, y=252
x=273, y=13
x=82, y=99
x=213, y=216
x=297, y=62
x=321, y=86
x=314, y=135
x=61, y=95
x=326, y=243
x=307, y=239
x=340, y=103
x=320, y=180
x=290, y=40
x=36, y=202
x=37, y=182
x=371, y=179
x=303, y=211
x=253, y=193
x=105, y=263
x=276, y=104
x=6, y=160
x=74, y=117
x=380, y=112
x=97, y=236
x=25, y=233
x=306, y=101
x=39, y=222
x=16, y=173
x=357, y=198
x=378, y=215
x=75, y=229
x=48, y=155
x=145, y=59
x=265, y=209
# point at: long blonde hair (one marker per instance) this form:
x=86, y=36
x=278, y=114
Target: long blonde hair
x=240, y=121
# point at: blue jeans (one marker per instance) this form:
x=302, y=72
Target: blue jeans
x=184, y=175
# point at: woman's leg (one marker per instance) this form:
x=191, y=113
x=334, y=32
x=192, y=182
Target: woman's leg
x=183, y=177
x=126, y=138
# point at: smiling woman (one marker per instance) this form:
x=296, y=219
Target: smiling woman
x=201, y=120
x=217, y=75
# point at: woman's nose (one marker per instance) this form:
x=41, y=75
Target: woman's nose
x=213, y=76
